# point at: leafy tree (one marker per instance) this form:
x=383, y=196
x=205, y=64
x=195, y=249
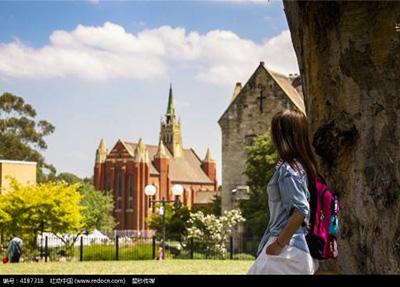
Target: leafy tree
x=68, y=177
x=260, y=166
x=216, y=205
x=96, y=209
x=175, y=221
x=21, y=136
x=52, y=207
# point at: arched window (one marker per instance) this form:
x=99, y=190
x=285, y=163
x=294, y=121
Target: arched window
x=131, y=192
x=119, y=189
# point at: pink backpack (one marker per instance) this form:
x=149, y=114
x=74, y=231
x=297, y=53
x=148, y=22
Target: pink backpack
x=324, y=224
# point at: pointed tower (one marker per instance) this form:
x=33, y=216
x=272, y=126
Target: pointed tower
x=209, y=166
x=170, y=133
x=141, y=152
x=170, y=115
x=161, y=152
x=161, y=163
x=142, y=175
x=101, y=152
x=99, y=167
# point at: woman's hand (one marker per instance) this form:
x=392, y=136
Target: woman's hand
x=273, y=249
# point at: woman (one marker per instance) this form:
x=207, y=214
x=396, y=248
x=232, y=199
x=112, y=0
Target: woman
x=283, y=248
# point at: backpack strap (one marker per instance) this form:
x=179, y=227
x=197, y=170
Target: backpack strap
x=320, y=177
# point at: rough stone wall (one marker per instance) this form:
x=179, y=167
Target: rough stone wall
x=241, y=123
x=349, y=57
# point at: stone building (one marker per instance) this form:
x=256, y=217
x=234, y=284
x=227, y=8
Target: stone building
x=249, y=114
x=24, y=172
x=129, y=167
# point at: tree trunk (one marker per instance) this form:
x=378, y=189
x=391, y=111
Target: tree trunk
x=349, y=59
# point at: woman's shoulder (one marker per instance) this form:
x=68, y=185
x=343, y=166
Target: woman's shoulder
x=286, y=169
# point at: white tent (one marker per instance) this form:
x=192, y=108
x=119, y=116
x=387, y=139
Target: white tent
x=96, y=237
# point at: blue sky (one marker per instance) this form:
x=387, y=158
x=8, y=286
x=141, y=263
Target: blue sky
x=103, y=69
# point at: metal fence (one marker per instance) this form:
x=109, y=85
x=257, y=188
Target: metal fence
x=51, y=248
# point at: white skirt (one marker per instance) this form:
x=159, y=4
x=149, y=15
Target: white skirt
x=291, y=260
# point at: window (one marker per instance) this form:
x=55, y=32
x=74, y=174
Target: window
x=131, y=189
x=119, y=189
x=119, y=203
x=119, y=183
x=108, y=182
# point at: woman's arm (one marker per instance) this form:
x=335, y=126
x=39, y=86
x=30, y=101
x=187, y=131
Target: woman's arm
x=294, y=222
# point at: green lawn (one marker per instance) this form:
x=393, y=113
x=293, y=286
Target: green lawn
x=131, y=267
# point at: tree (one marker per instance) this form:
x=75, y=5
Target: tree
x=350, y=73
x=52, y=207
x=176, y=221
x=68, y=177
x=96, y=209
x=21, y=136
x=260, y=166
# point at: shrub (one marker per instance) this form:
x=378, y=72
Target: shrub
x=129, y=252
x=243, y=256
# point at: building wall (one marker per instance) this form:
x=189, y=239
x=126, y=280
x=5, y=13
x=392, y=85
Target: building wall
x=135, y=218
x=23, y=172
x=241, y=123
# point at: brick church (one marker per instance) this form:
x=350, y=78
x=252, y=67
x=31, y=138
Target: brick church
x=128, y=167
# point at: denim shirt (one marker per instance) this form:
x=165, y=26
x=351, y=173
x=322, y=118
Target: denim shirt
x=287, y=189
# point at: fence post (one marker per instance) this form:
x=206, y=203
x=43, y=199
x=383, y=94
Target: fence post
x=191, y=248
x=41, y=247
x=154, y=247
x=81, y=250
x=117, y=247
x=231, y=247
x=46, y=249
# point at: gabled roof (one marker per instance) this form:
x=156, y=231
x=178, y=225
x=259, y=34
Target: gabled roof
x=284, y=82
x=185, y=169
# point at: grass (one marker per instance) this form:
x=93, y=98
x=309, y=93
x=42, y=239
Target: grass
x=131, y=267
x=107, y=252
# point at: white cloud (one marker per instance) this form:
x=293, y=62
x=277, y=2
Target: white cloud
x=109, y=51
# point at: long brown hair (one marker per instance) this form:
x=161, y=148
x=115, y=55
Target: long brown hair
x=290, y=134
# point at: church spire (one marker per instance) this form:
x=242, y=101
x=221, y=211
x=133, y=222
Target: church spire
x=170, y=109
x=208, y=157
x=161, y=152
x=170, y=132
x=141, y=152
x=101, y=152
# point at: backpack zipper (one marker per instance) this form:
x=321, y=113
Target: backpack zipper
x=321, y=216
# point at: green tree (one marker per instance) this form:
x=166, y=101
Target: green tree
x=260, y=166
x=68, y=177
x=96, y=209
x=176, y=221
x=21, y=136
x=52, y=207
